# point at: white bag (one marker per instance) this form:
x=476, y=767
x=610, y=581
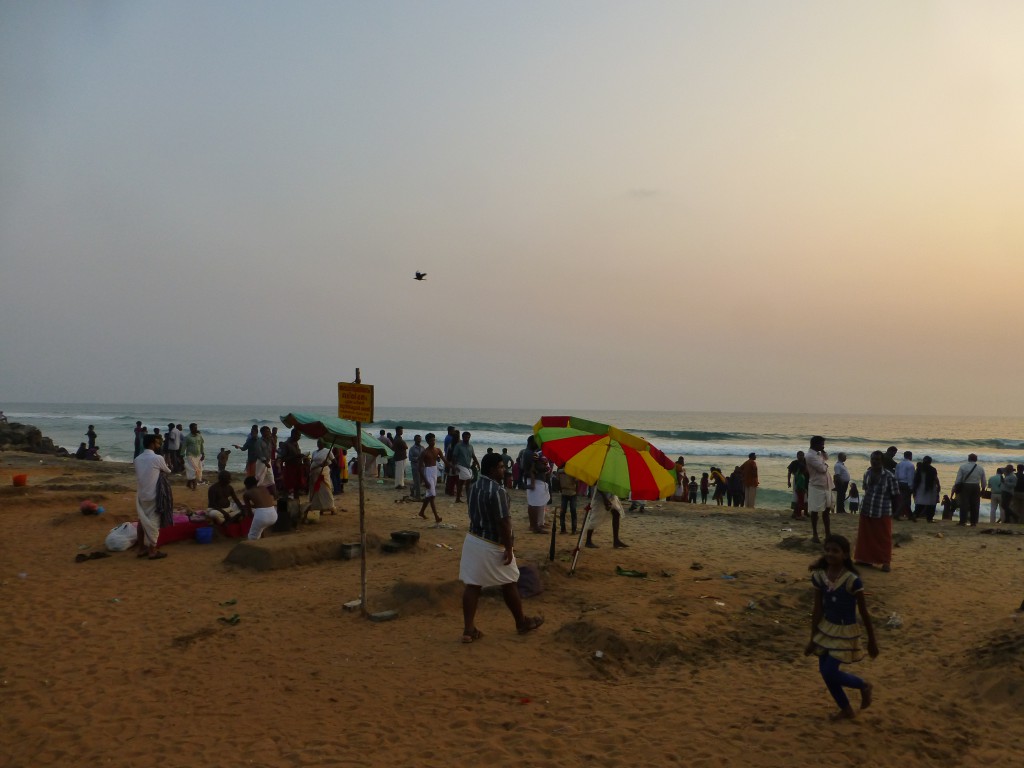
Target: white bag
x=122, y=537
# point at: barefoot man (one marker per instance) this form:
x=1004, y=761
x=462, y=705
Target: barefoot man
x=487, y=556
x=428, y=474
x=260, y=504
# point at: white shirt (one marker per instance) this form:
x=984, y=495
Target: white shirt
x=817, y=470
x=319, y=459
x=977, y=476
x=841, y=472
x=905, y=472
x=148, y=467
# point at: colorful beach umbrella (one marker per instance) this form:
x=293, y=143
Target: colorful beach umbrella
x=340, y=432
x=613, y=460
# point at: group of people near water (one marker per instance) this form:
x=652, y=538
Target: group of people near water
x=888, y=491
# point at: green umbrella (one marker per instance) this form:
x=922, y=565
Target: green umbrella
x=333, y=430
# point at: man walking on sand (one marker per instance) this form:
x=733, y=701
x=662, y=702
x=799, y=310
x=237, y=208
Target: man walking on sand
x=488, y=559
x=819, y=486
x=428, y=474
x=748, y=473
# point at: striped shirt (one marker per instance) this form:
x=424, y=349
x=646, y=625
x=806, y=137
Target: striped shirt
x=878, y=494
x=488, y=506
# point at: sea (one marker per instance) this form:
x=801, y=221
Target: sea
x=704, y=439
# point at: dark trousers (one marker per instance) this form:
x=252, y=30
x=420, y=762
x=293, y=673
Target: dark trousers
x=569, y=502
x=1009, y=511
x=836, y=680
x=841, y=487
x=970, y=503
x=905, y=496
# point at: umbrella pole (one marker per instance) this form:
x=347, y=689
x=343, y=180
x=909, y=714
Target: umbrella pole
x=579, y=542
x=551, y=549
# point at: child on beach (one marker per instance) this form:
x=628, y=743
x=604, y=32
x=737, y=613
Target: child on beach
x=692, y=488
x=705, y=486
x=853, y=498
x=835, y=636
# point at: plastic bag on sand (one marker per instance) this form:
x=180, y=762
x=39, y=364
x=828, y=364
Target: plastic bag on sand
x=122, y=537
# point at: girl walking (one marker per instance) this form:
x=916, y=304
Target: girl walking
x=835, y=636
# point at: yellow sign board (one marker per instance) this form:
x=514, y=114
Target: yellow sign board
x=355, y=402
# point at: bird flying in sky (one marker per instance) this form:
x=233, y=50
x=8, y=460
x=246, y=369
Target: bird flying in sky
x=420, y=275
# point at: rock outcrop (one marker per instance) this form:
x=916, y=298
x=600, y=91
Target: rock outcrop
x=25, y=437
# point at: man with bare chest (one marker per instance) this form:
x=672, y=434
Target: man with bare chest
x=427, y=470
x=260, y=504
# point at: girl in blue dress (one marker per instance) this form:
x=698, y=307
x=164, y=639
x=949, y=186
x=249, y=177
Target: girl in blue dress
x=835, y=634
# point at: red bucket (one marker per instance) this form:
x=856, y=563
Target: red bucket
x=19, y=480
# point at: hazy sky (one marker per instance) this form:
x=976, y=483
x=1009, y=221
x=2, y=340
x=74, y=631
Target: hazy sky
x=743, y=206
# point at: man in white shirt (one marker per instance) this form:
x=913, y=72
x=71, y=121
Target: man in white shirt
x=841, y=478
x=970, y=479
x=905, y=477
x=148, y=466
x=819, y=485
x=172, y=444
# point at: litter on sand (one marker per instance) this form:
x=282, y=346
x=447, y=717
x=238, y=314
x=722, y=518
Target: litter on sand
x=620, y=571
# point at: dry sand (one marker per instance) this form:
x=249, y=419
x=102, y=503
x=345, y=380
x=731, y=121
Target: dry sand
x=123, y=662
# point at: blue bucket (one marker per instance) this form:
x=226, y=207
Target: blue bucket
x=204, y=535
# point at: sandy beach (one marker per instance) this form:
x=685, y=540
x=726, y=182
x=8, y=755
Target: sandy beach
x=125, y=662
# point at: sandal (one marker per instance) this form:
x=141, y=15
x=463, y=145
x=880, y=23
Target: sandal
x=157, y=556
x=473, y=636
x=530, y=624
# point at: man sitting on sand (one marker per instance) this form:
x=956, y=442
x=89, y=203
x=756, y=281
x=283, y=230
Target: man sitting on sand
x=222, y=501
x=260, y=504
x=487, y=556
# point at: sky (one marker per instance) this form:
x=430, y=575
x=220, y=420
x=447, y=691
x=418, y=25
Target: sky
x=693, y=206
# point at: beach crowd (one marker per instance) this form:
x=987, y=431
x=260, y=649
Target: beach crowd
x=279, y=473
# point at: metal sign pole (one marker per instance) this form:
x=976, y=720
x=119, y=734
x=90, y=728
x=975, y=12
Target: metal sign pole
x=362, y=514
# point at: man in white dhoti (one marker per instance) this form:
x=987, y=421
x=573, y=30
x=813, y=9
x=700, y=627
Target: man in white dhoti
x=195, y=453
x=487, y=556
x=321, y=492
x=820, y=496
x=148, y=466
x=428, y=474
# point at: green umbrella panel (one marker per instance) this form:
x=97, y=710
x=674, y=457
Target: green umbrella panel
x=340, y=432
